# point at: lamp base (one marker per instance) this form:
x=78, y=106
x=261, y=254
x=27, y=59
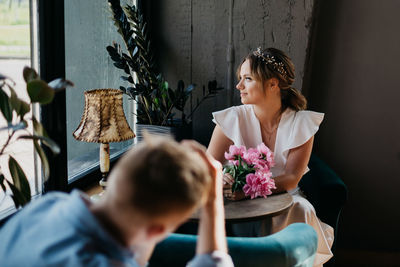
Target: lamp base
x=103, y=184
x=103, y=181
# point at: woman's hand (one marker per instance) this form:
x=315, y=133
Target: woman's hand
x=228, y=182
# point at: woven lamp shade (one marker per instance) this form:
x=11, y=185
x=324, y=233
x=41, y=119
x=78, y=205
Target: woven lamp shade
x=103, y=120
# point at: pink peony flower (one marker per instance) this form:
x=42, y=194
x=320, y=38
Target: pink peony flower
x=251, y=156
x=265, y=174
x=263, y=149
x=258, y=184
x=256, y=173
x=234, y=152
x=267, y=154
x=262, y=164
x=250, y=188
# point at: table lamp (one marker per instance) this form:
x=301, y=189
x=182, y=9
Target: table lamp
x=103, y=121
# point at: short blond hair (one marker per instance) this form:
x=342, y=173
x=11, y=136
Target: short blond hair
x=162, y=176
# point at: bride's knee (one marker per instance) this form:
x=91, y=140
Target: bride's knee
x=303, y=206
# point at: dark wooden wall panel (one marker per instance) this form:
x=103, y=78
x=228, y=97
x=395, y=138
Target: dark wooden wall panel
x=200, y=55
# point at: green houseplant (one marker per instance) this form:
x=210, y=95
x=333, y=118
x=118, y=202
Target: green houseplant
x=156, y=102
x=17, y=114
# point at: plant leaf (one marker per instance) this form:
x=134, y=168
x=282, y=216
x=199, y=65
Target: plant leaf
x=3, y=77
x=14, y=127
x=180, y=86
x=47, y=141
x=2, y=179
x=38, y=128
x=60, y=84
x=5, y=106
x=19, y=178
x=43, y=157
x=18, y=197
x=29, y=74
x=20, y=106
x=189, y=89
x=40, y=92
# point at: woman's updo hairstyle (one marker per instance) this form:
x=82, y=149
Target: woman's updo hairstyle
x=274, y=63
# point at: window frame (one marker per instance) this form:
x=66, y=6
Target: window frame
x=51, y=45
x=51, y=66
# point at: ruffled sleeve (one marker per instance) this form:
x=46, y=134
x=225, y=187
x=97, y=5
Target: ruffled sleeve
x=240, y=125
x=301, y=127
x=228, y=121
x=295, y=129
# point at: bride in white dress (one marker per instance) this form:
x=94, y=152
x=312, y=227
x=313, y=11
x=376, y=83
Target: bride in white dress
x=274, y=113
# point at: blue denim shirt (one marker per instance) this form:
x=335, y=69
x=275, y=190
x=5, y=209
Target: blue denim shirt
x=59, y=230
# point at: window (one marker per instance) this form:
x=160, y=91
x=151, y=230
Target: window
x=18, y=44
x=88, y=31
x=72, y=40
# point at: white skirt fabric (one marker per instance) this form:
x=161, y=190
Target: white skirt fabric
x=300, y=211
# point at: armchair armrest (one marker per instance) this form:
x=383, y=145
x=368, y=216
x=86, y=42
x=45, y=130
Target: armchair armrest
x=325, y=190
x=295, y=245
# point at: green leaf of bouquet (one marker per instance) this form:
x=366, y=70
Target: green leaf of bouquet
x=241, y=173
x=19, y=177
x=234, y=187
x=5, y=106
x=40, y=92
x=245, y=164
x=43, y=157
x=19, y=198
x=46, y=141
x=29, y=74
x=228, y=169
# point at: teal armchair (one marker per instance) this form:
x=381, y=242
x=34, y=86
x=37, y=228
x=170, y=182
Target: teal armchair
x=295, y=245
x=326, y=192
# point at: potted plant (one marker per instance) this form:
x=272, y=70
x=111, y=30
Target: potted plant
x=156, y=101
x=17, y=114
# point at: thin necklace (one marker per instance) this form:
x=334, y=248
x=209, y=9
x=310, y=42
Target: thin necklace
x=271, y=133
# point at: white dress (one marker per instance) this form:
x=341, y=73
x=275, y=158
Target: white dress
x=241, y=125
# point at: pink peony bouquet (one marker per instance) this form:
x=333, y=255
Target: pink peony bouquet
x=251, y=169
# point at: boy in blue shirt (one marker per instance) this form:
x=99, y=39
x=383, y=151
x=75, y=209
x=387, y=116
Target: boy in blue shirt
x=153, y=188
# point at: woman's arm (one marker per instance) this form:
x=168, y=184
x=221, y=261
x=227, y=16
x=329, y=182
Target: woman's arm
x=219, y=144
x=296, y=164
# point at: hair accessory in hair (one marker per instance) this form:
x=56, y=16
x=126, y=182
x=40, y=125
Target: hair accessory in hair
x=268, y=59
